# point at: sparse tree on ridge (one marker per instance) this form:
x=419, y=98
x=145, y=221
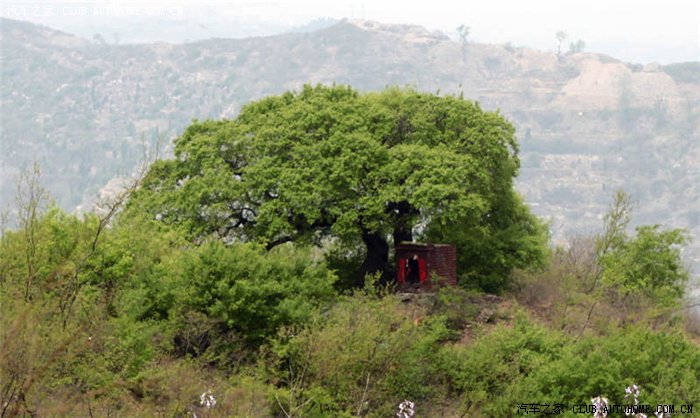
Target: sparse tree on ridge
x=576, y=47
x=463, y=33
x=561, y=37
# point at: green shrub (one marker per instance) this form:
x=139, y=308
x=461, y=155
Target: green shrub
x=456, y=305
x=222, y=298
x=532, y=364
x=362, y=357
x=665, y=364
x=255, y=292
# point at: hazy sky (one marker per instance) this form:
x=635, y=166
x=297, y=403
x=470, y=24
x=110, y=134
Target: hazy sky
x=637, y=31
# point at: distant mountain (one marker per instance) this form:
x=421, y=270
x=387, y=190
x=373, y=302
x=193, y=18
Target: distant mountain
x=587, y=123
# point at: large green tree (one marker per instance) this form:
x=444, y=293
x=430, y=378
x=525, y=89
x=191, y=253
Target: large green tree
x=329, y=162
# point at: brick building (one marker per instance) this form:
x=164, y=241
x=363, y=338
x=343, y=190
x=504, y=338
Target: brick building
x=421, y=265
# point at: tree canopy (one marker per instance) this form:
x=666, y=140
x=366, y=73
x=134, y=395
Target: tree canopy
x=330, y=162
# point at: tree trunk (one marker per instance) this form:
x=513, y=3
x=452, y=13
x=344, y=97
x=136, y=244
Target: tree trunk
x=403, y=226
x=401, y=233
x=376, y=258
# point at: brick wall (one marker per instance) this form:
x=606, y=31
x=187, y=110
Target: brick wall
x=440, y=260
x=443, y=263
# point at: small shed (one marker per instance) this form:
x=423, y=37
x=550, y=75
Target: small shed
x=418, y=264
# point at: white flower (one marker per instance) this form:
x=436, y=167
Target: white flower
x=632, y=391
x=600, y=403
x=207, y=400
x=407, y=409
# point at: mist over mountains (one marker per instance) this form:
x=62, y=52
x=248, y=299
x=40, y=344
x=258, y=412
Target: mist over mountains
x=588, y=124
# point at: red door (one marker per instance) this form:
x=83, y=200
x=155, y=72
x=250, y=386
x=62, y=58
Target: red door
x=422, y=273
x=401, y=276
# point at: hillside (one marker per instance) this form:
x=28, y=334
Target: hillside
x=587, y=123
x=232, y=280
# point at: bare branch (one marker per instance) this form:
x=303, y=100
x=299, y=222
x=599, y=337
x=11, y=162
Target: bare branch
x=31, y=202
x=107, y=208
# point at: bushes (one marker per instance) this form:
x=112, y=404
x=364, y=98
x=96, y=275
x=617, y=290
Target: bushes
x=666, y=365
x=142, y=323
x=87, y=317
x=457, y=307
x=362, y=357
x=649, y=264
x=611, y=278
x=530, y=363
x=222, y=299
x=485, y=374
x=254, y=292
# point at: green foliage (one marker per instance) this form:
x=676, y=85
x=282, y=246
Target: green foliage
x=330, y=162
x=220, y=299
x=485, y=374
x=507, y=237
x=103, y=307
x=457, y=307
x=345, y=260
x=597, y=283
x=604, y=365
x=140, y=316
x=650, y=264
x=362, y=358
x=254, y=292
x=48, y=255
x=154, y=321
x=511, y=365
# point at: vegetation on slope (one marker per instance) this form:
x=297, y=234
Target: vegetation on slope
x=132, y=314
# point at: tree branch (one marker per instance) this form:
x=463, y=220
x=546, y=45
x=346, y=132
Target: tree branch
x=279, y=241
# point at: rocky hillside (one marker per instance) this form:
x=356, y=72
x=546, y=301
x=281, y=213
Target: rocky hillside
x=588, y=123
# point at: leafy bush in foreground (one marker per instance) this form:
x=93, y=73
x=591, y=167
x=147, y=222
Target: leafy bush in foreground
x=530, y=363
x=362, y=357
x=223, y=298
